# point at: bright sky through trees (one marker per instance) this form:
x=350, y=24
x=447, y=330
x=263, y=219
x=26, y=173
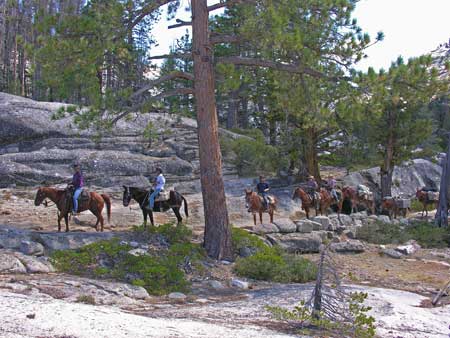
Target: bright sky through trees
x=411, y=28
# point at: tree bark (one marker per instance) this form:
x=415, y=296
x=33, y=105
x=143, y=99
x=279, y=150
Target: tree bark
x=217, y=238
x=312, y=161
x=387, y=169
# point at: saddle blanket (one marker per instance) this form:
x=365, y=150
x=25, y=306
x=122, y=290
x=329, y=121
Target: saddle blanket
x=163, y=196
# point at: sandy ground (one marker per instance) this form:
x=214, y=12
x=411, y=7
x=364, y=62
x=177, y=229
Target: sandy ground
x=397, y=314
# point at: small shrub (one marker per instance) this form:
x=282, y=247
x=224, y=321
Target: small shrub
x=416, y=206
x=426, y=234
x=382, y=233
x=159, y=274
x=272, y=264
x=86, y=299
x=429, y=236
x=173, y=234
x=242, y=238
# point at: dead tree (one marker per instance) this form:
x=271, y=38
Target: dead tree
x=330, y=300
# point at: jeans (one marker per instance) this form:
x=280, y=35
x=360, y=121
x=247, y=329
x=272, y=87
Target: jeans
x=264, y=196
x=334, y=194
x=76, y=194
x=152, y=197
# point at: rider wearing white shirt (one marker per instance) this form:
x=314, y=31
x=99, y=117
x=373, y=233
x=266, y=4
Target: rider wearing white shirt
x=160, y=181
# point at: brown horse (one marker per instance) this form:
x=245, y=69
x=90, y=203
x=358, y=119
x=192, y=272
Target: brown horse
x=352, y=195
x=327, y=200
x=255, y=204
x=307, y=201
x=63, y=200
x=422, y=197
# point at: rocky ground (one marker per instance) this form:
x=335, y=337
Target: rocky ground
x=29, y=285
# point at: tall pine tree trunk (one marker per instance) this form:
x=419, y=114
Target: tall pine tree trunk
x=217, y=227
x=441, y=217
x=311, y=156
x=387, y=169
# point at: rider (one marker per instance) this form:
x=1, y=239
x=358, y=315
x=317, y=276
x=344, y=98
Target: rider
x=263, y=187
x=331, y=185
x=77, y=183
x=312, y=187
x=159, y=183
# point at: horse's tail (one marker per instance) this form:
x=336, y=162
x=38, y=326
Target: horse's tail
x=185, y=206
x=108, y=205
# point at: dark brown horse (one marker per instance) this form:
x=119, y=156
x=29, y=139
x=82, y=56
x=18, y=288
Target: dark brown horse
x=142, y=195
x=307, y=201
x=63, y=200
x=422, y=197
x=351, y=194
x=327, y=200
x=255, y=204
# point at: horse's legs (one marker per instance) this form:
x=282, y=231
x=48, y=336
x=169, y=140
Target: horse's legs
x=150, y=213
x=59, y=221
x=144, y=214
x=271, y=215
x=254, y=218
x=66, y=219
x=102, y=221
x=176, y=210
x=307, y=212
x=260, y=217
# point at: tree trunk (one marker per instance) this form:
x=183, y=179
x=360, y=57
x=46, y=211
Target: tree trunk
x=441, y=217
x=387, y=169
x=217, y=239
x=311, y=158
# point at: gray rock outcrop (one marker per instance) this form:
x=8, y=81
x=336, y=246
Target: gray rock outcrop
x=36, y=149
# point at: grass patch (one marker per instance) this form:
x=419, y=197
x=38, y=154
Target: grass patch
x=159, y=272
x=86, y=299
x=272, y=264
x=426, y=234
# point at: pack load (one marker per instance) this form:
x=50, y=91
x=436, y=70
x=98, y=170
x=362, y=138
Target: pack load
x=403, y=203
x=433, y=196
x=364, y=192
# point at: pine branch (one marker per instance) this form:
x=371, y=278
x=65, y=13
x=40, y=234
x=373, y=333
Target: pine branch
x=227, y=4
x=168, y=77
x=291, y=68
x=146, y=10
x=180, y=23
x=172, y=56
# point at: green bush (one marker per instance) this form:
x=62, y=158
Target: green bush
x=159, y=273
x=271, y=264
x=242, y=238
x=426, y=234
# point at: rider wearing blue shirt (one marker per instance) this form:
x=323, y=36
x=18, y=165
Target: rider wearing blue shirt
x=263, y=190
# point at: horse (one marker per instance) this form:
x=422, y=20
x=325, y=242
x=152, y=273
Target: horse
x=352, y=195
x=327, y=200
x=422, y=197
x=63, y=201
x=307, y=201
x=141, y=196
x=255, y=204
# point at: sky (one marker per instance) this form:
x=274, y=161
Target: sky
x=411, y=28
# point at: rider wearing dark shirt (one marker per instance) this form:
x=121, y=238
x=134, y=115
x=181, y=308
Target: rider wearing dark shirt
x=262, y=187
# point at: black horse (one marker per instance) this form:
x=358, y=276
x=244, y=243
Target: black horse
x=142, y=197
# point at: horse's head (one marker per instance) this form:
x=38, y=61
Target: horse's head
x=248, y=195
x=126, y=196
x=40, y=196
x=418, y=193
x=295, y=194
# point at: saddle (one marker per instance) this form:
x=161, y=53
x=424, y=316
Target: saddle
x=163, y=196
